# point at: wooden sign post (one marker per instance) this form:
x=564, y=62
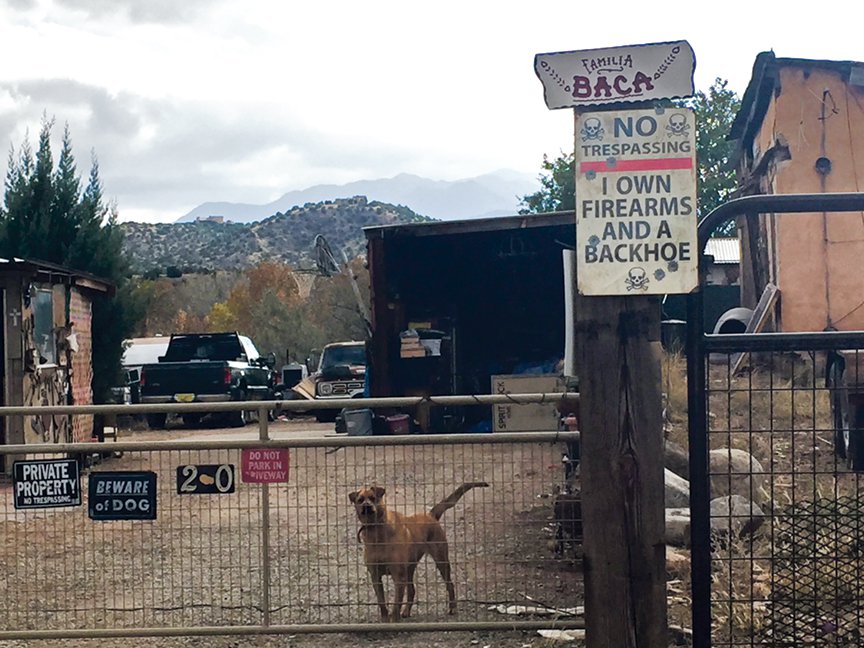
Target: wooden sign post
x=635, y=240
x=623, y=512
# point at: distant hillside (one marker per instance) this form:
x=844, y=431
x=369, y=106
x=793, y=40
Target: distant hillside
x=287, y=237
x=492, y=194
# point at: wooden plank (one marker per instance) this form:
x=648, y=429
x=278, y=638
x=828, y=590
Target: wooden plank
x=101, y=286
x=306, y=388
x=758, y=319
x=622, y=471
x=378, y=356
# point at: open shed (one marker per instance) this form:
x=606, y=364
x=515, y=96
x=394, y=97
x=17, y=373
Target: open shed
x=491, y=290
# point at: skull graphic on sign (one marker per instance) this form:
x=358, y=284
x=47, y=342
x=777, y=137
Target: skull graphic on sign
x=637, y=279
x=592, y=129
x=678, y=126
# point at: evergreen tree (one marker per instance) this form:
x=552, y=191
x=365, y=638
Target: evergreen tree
x=46, y=216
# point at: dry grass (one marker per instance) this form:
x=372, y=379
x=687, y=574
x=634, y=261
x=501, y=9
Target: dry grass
x=801, y=578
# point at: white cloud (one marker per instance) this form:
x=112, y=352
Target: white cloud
x=204, y=100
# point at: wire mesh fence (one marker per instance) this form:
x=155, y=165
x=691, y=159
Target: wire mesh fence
x=224, y=548
x=787, y=540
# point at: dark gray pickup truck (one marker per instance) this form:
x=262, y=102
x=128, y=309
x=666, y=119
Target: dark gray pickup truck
x=207, y=368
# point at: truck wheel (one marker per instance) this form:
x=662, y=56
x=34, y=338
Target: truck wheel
x=841, y=425
x=853, y=438
x=157, y=421
x=192, y=420
x=239, y=418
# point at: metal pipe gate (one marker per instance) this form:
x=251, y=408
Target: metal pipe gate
x=237, y=547
x=776, y=517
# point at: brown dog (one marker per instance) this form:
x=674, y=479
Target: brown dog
x=394, y=544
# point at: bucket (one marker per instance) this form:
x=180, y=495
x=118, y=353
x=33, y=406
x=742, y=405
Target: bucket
x=358, y=422
x=399, y=424
x=673, y=335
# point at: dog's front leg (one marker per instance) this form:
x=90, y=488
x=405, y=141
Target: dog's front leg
x=412, y=591
x=399, y=581
x=378, y=586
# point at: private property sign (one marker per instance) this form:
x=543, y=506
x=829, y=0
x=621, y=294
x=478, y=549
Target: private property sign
x=616, y=75
x=636, y=202
x=46, y=483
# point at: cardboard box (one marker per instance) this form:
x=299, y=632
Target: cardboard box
x=536, y=417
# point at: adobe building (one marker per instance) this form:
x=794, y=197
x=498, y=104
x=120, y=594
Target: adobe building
x=800, y=129
x=46, y=349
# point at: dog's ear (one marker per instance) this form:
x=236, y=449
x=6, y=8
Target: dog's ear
x=353, y=496
x=379, y=491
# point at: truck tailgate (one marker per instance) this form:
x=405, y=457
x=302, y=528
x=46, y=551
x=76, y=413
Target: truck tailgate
x=171, y=378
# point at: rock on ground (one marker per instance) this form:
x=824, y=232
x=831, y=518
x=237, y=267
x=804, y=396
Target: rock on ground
x=736, y=515
x=677, y=491
x=736, y=472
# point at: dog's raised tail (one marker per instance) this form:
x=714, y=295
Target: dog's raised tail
x=450, y=501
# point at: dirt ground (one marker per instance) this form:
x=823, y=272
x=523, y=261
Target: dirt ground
x=201, y=561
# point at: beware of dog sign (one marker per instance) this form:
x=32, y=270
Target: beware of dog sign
x=126, y=495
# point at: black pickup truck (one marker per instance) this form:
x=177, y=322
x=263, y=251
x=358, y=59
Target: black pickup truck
x=207, y=368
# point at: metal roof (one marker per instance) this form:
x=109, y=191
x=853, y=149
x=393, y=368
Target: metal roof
x=497, y=223
x=724, y=250
x=53, y=271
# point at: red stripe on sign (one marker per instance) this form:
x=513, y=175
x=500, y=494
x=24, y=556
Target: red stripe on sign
x=649, y=164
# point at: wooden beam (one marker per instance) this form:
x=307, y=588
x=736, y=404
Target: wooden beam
x=83, y=282
x=622, y=471
x=758, y=319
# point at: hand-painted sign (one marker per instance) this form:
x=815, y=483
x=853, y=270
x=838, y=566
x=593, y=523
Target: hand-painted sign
x=206, y=479
x=636, y=202
x=616, y=75
x=46, y=483
x=122, y=495
x=265, y=465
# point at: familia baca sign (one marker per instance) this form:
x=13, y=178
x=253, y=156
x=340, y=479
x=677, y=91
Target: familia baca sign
x=636, y=202
x=616, y=75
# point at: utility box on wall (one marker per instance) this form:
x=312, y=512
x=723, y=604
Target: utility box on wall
x=535, y=417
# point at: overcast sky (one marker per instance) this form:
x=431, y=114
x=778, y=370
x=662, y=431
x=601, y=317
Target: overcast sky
x=189, y=101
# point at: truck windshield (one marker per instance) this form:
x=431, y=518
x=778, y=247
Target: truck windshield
x=207, y=347
x=343, y=355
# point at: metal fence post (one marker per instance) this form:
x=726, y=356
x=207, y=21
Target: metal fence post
x=700, y=493
x=264, y=435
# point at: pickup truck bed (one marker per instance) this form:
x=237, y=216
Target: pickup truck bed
x=198, y=370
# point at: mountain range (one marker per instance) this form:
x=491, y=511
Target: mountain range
x=285, y=237
x=493, y=194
